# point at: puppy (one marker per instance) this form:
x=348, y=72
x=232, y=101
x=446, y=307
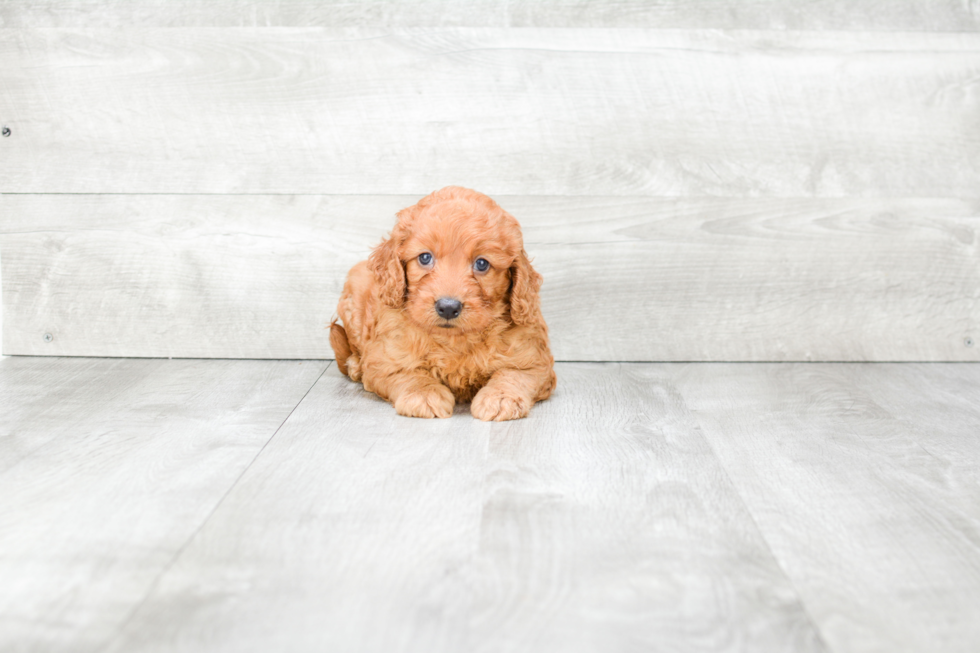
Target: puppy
x=446, y=310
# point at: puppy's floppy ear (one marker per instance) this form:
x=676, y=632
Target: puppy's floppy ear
x=388, y=270
x=386, y=262
x=525, y=303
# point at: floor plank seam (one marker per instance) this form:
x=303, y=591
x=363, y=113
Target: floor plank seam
x=200, y=527
x=47, y=443
x=779, y=563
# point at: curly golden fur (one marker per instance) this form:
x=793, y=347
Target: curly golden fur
x=458, y=246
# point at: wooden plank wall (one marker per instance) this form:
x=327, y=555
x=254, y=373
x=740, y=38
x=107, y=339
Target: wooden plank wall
x=696, y=180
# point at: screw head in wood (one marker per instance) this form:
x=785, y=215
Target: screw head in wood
x=48, y=337
x=6, y=131
x=968, y=341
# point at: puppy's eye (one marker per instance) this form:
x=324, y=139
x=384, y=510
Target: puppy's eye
x=481, y=265
x=425, y=259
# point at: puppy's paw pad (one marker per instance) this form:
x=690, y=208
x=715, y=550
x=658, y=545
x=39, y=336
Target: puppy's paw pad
x=495, y=405
x=436, y=401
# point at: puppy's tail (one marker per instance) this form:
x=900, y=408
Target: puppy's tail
x=341, y=348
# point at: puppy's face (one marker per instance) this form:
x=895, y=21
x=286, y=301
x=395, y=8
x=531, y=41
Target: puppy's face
x=458, y=256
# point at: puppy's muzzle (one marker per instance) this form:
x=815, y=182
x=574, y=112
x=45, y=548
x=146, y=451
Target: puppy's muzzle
x=448, y=308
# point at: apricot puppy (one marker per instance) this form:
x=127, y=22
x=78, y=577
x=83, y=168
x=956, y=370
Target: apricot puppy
x=446, y=310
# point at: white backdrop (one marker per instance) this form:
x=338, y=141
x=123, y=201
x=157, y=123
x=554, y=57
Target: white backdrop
x=752, y=180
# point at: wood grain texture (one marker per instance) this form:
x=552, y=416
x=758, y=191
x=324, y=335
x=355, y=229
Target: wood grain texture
x=510, y=111
x=918, y=15
x=348, y=535
x=608, y=512
x=863, y=479
x=1, y=303
x=643, y=507
x=108, y=468
x=45, y=398
x=602, y=522
x=703, y=279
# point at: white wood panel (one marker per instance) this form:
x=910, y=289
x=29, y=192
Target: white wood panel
x=347, y=536
x=609, y=520
x=123, y=460
x=942, y=413
x=601, y=522
x=609, y=513
x=915, y=15
x=1, y=303
x=45, y=398
x=509, y=111
x=871, y=506
x=625, y=278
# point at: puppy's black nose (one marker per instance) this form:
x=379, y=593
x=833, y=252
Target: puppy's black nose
x=448, y=308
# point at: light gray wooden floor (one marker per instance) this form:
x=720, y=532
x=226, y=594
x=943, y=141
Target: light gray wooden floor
x=233, y=505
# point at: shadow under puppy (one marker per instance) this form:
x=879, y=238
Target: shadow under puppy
x=445, y=310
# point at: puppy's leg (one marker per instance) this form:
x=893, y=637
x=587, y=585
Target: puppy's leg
x=510, y=394
x=340, y=345
x=413, y=394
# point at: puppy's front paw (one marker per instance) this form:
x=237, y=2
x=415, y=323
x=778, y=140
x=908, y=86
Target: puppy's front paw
x=497, y=404
x=430, y=401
